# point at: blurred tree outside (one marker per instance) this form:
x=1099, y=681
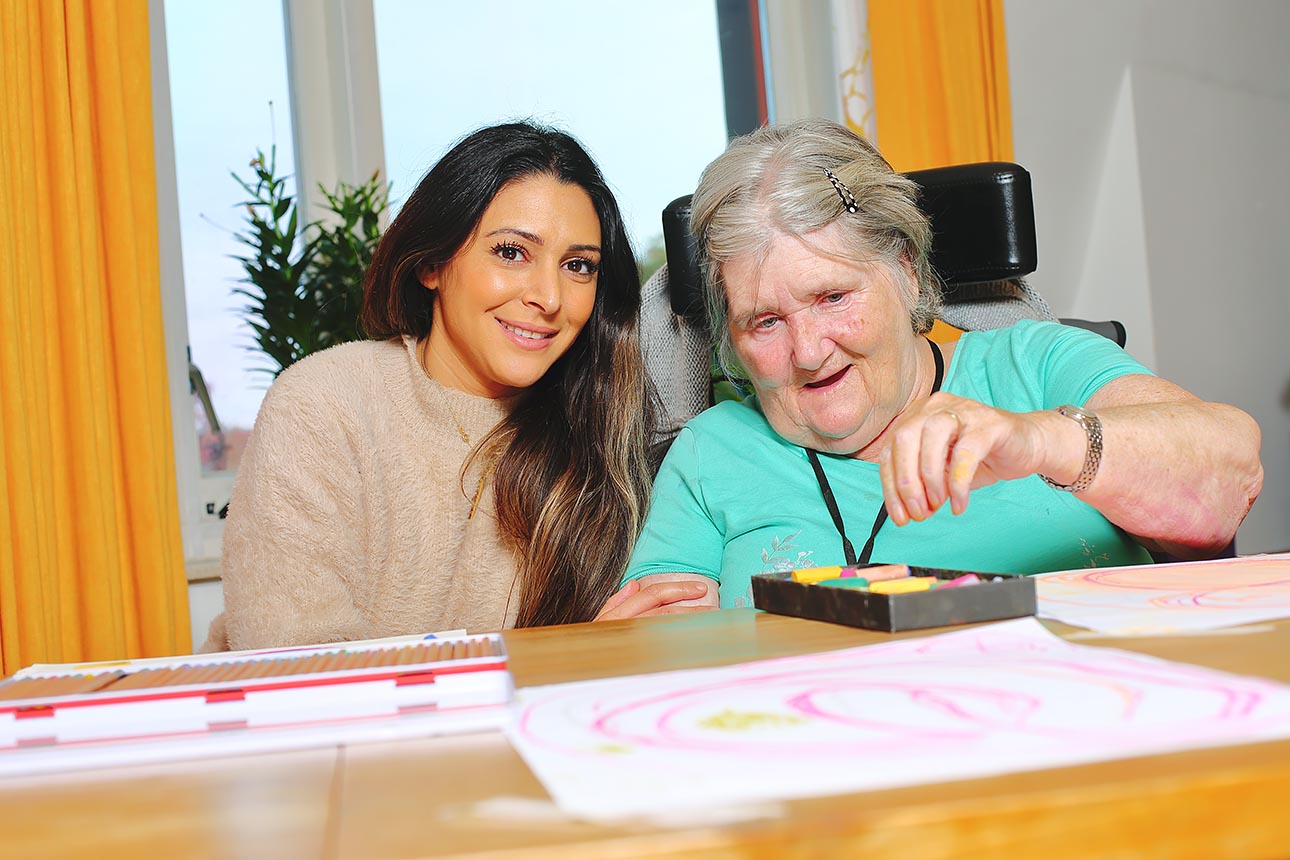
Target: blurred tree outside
x=654, y=256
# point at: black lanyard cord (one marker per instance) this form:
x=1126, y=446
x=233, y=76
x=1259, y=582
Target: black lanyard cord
x=831, y=502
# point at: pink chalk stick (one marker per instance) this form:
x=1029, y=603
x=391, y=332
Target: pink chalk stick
x=878, y=572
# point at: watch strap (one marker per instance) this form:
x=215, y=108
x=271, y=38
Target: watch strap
x=1092, y=454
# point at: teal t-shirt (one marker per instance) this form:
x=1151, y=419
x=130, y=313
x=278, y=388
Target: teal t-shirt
x=733, y=498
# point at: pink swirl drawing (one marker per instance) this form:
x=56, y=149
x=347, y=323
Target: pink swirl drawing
x=1169, y=597
x=886, y=701
x=989, y=700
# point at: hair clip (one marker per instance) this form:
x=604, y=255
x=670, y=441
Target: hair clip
x=848, y=199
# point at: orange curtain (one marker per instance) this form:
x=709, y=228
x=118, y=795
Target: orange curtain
x=940, y=81
x=91, y=566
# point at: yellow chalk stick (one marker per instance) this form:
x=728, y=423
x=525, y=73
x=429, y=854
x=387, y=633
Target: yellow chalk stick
x=816, y=574
x=902, y=586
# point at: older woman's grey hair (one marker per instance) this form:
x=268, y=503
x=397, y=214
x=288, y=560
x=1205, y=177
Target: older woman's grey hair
x=776, y=180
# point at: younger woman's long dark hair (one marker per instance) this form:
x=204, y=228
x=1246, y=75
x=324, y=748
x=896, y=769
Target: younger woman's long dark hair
x=572, y=478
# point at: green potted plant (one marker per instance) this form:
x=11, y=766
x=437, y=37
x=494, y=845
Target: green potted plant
x=304, y=282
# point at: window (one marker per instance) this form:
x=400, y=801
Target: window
x=639, y=84
x=229, y=97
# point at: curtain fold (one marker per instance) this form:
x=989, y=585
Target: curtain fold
x=91, y=564
x=940, y=78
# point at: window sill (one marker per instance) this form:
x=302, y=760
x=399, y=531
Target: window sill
x=202, y=570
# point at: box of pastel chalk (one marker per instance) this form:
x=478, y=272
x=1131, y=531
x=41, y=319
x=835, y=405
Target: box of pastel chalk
x=894, y=597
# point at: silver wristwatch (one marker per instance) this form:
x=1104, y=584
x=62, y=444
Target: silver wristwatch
x=1092, y=457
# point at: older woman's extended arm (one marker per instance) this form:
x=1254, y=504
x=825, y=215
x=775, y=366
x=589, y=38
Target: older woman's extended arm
x=1177, y=472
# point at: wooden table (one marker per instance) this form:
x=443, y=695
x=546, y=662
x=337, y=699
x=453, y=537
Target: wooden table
x=474, y=797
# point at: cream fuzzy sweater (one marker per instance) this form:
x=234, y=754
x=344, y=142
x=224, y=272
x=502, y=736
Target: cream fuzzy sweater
x=350, y=518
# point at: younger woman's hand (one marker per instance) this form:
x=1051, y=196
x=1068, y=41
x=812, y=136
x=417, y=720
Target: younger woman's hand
x=660, y=594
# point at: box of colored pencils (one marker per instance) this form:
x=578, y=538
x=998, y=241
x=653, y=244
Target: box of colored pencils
x=451, y=683
x=894, y=597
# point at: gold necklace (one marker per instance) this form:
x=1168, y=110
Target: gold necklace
x=422, y=349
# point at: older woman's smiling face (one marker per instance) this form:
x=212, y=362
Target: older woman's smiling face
x=827, y=341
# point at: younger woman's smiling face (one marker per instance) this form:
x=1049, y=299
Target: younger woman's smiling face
x=518, y=293
x=827, y=341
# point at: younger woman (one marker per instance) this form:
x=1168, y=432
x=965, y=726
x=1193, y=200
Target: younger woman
x=482, y=462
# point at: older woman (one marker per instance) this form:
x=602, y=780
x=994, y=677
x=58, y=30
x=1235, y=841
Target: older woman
x=1053, y=448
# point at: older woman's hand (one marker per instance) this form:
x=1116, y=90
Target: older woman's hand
x=946, y=446
x=1176, y=472
x=660, y=594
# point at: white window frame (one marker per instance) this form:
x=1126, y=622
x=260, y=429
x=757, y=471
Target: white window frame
x=336, y=116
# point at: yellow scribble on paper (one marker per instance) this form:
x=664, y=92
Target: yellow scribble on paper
x=613, y=749
x=742, y=721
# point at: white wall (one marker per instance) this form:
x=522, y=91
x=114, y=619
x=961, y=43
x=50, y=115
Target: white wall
x=1156, y=134
x=205, y=601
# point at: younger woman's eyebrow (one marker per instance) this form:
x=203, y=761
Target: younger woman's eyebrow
x=536, y=239
x=523, y=234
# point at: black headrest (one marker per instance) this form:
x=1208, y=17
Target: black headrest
x=983, y=228
x=983, y=221
x=684, y=283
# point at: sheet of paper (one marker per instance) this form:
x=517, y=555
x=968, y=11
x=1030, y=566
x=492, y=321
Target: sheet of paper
x=1169, y=598
x=988, y=700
